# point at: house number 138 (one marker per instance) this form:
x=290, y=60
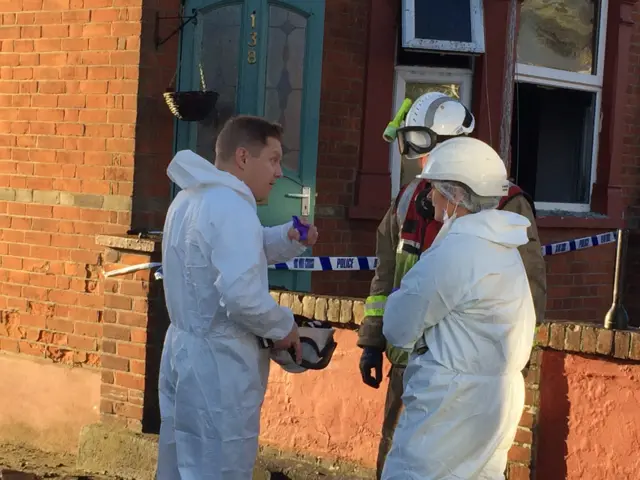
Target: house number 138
x=253, y=40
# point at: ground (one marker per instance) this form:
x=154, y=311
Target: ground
x=40, y=465
x=25, y=463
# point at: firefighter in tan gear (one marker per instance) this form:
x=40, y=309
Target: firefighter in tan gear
x=408, y=229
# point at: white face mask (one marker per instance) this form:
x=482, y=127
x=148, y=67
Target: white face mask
x=447, y=221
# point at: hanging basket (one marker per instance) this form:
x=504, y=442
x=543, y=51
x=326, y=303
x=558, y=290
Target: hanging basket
x=191, y=106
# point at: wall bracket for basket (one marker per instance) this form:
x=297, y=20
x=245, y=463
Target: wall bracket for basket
x=184, y=22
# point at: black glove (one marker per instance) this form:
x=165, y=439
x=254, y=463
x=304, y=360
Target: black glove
x=371, y=359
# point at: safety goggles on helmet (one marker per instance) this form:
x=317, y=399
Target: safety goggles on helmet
x=318, y=346
x=415, y=141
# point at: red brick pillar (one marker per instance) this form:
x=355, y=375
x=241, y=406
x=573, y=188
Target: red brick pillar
x=130, y=350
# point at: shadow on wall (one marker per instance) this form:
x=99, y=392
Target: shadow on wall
x=631, y=294
x=553, y=418
x=154, y=124
x=157, y=326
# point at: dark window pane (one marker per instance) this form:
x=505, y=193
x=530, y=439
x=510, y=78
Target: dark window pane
x=219, y=56
x=445, y=21
x=285, y=78
x=552, y=142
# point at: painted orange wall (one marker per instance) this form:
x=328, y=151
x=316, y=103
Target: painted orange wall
x=45, y=404
x=589, y=426
x=329, y=413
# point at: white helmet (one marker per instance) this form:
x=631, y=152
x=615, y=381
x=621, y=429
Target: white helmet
x=433, y=118
x=318, y=346
x=471, y=162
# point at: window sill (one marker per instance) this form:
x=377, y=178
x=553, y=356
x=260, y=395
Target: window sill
x=576, y=220
x=130, y=242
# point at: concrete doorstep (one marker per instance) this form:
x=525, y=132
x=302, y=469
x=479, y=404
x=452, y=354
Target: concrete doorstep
x=133, y=456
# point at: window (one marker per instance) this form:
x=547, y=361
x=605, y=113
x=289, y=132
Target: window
x=557, y=99
x=451, y=25
x=411, y=82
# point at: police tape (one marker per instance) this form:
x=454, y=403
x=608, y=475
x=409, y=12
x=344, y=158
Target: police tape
x=323, y=264
x=313, y=264
x=579, y=243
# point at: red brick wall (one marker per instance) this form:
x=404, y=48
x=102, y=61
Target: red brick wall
x=68, y=107
x=580, y=283
x=631, y=172
x=134, y=324
x=342, y=97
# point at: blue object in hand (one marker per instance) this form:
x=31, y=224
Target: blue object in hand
x=302, y=229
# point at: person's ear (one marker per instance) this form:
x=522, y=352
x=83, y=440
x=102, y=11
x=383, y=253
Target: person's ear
x=241, y=157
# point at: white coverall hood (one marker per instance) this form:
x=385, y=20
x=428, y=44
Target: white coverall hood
x=466, y=313
x=190, y=170
x=213, y=372
x=498, y=226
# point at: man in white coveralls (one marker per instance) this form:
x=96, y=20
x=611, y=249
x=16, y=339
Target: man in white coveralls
x=215, y=253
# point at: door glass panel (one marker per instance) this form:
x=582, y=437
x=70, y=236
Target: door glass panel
x=285, y=78
x=410, y=168
x=219, y=52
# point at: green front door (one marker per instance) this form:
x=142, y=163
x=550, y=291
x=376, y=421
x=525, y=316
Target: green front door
x=263, y=57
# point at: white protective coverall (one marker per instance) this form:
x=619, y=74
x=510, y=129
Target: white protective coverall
x=468, y=298
x=213, y=374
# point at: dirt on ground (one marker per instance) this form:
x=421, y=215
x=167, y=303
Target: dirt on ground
x=18, y=462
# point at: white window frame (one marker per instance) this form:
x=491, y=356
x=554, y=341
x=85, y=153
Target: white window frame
x=407, y=74
x=410, y=41
x=574, y=81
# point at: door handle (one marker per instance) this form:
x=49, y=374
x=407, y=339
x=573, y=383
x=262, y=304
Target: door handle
x=305, y=199
x=296, y=195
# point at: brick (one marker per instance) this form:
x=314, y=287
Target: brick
x=88, y=329
x=131, y=351
x=32, y=349
x=333, y=310
x=519, y=472
x=135, y=382
x=115, y=363
x=542, y=335
x=572, y=338
x=526, y=420
x=286, y=299
x=118, y=301
x=556, y=337
x=621, y=344
x=132, y=319
x=634, y=351
x=106, y=406
x=107, y=377
x=82, y=343
x=346, y=311
x=589, y=340
x=117, y=332
x=138, y=336
x=308, y=306
x=524, y=436
x=533, y=377
x=520, y=454
x=138, y=368
x=108, y=346
x=127, y=410
x=296, y=304
x=604, y=343
x=115, y=393
x=320, y=312
x=358, y=312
